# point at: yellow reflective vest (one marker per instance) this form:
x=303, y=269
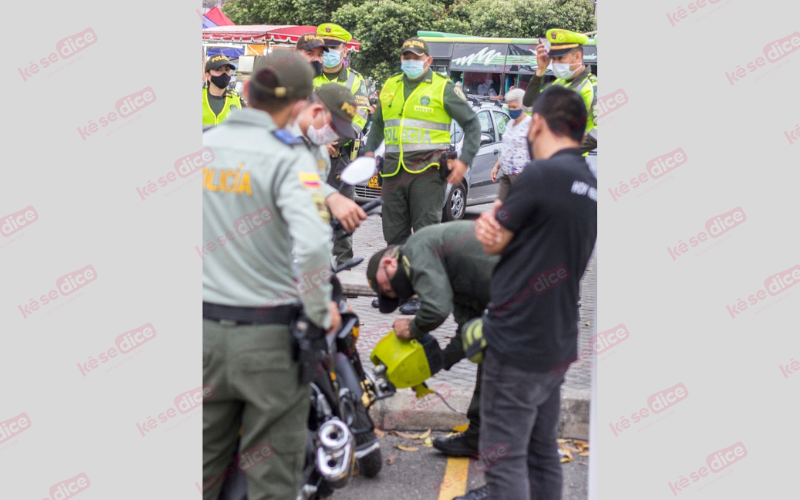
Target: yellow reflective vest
x=419, y=123
x=587, y=89
x=232, y=101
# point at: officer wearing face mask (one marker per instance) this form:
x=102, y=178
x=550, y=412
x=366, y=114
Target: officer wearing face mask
x=343, y=150
x=414, y=118
x=218, y=99
x=312, y=47
x=566, y=54
x=328, y=116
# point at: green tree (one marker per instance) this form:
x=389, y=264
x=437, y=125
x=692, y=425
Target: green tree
x=277, y=12
x=529, y=18
x=381, y=27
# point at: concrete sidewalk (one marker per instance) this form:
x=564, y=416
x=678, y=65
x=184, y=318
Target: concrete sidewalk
x=403, y=410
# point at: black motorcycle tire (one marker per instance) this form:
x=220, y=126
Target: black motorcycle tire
x=370, y=465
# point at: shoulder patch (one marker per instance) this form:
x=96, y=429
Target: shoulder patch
x=459, y=92
x=310, y=180
x=287, y=138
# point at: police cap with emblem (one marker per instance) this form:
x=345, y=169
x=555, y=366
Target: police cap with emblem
x=218, y=61
x=342, y=105
x=310, y=41
x=564, y=41
x=415, y=45
x=400, y=282
x=333, y=34
x=293, y=75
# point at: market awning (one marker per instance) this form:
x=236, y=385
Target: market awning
x=260, y=33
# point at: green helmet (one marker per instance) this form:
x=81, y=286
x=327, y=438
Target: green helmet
x=408, y=362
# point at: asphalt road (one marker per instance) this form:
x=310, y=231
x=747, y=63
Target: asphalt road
x=420, y=475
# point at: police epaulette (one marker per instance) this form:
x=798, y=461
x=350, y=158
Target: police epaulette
x=231, y=92
x=287, y=138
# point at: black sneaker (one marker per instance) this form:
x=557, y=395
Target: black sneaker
x=481, y=493
x=410, y=308
x=375, y=303
x=459, y=445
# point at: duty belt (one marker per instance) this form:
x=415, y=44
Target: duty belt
x=278, y=315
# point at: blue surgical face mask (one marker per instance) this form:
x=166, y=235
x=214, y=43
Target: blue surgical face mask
x=412, y=68
x=332, y=58
x=514, y=113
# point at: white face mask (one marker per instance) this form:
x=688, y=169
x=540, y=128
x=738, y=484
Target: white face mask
x=561, y=70
x=322, y=136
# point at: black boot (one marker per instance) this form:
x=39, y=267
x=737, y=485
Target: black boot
x=410, y=308
x=375, y=303
x=459, y=445
x=481, y=493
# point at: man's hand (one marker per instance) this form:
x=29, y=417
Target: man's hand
x=401, y=328
x=336, y=318
x=458, y=169
x=542, y=60
x=346, y=210
x=332, y=148
x=494, y=171
x=488, y=229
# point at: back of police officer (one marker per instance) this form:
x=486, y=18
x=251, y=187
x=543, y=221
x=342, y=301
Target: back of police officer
x=262, y=204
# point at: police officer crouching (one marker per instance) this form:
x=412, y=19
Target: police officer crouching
x=218, y=99
x=262, y=205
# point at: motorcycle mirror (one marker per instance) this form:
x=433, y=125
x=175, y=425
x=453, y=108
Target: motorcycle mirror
x=360, y=170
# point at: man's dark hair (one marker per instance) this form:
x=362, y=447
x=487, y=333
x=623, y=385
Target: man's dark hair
x=563, y=110
x=266, y=101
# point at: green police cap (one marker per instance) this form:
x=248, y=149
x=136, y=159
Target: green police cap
x=218, y=61
x=293, y=75
x=334, y=33
x=310, y=41
x=415, y=45
x=342, y=105
x=564, y=41
x=400, y=282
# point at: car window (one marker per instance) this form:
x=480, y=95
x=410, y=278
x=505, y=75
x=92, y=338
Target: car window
x=456, y=131
x=487, y=127
x=502, y=120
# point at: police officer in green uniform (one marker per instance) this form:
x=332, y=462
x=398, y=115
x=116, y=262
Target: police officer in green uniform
x=218, y=99
x=262, y=204
x=312, y=47
x=566, y=54
x=446, y=266
x=413, y=117
x=329, y=115
x=343, y=150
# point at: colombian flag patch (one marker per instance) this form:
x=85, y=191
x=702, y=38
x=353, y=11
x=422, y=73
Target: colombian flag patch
x=310, y=181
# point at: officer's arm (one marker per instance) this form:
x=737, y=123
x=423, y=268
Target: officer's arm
x=300, y=201
x=375, y=131
x=532, y=91
x=362, y=104
x=435, y=297
x=459, y=110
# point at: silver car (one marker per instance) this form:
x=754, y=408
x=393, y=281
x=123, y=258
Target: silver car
x=477, y=187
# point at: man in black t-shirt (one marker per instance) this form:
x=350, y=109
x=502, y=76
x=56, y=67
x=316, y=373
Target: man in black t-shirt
x=545, y=233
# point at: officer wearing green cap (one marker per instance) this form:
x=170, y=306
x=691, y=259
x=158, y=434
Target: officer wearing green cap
x=262, y=205
x=566, y=54
x=446, y=266
x=414, y=117
x=330, y=114
x=343, y=150
x=218, y=99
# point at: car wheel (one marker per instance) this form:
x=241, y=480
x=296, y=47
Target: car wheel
x=456, y=203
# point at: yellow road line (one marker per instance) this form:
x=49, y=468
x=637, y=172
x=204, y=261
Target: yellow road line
x=454, y=482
